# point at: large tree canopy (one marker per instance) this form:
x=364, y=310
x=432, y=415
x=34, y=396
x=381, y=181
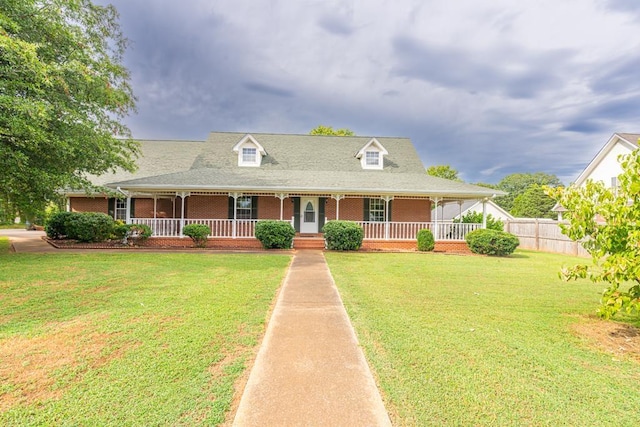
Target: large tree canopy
x=607, y=223
x=533, y=203
x=443, y=171
x=517, y=183
x=328, y=130
x=63, y=95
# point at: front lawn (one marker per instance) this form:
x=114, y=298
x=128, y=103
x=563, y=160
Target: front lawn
x=469, y=340
x=129, y=339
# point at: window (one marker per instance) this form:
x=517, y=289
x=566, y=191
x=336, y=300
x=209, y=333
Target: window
x=121, y=209
x=372, y=158
x=249, y=155
x=309, y=213
x=615, y=185
x=376, y=210
x=243, y=207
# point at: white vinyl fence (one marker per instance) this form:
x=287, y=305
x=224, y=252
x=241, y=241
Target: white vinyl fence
x=543, y=235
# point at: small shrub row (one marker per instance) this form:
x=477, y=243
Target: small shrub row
x=275, y=234
x=492, y=242
x=343, y=235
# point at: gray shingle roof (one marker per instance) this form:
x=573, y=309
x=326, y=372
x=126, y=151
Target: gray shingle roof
x=294, y=163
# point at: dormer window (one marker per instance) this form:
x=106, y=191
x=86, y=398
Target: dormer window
x=372, y=158
x=249, y=155
x=372, y=155
x=250, y=152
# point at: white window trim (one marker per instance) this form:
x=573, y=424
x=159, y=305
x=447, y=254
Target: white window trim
x=120, y=209
x=249, y=142
x=372, y=146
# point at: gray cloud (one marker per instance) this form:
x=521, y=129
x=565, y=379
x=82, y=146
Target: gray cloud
x=268, y=89
x=514, y=74
x=624, y=5
x=490, y=108
x=336, y=25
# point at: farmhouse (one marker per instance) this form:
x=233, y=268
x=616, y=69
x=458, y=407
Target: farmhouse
x=231, y=180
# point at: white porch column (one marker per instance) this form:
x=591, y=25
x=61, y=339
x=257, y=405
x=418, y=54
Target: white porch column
x=235, y=213
x=436, y=234
x=484, y=213
x=155, y=206
x=386, y=199
x=281, y=196
x=337, y=198
x=183, y=195
x=68, y=204
x=127, y=217
x=460, y=210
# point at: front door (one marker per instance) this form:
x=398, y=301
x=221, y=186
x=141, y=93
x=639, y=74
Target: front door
x=309, y=215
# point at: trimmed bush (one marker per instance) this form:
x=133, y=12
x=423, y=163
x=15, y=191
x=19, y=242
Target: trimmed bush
x=492, y=242
x=89, y=227
x=82, y=226
x=56, y=226
x=426, y=242
x=275, y=234
x=198, y=233
x=343, y=235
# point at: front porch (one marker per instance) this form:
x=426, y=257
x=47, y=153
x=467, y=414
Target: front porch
x=230, y=233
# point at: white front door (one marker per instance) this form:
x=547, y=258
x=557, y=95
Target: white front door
x=309, y=215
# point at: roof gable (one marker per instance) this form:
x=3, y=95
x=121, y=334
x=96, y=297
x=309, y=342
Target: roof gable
x=625, y=142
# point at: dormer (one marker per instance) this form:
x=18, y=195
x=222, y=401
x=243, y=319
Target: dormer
x=249, y=151
x=372, y=155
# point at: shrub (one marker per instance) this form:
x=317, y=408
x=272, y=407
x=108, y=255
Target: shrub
x=426, y=242
x=56, y=226
x=492, y=242
x=275, y=234
x=343, y=235
x=136, y=233
x=198, y=233
x=120, y=230
x=89, y=227
x=476, y=218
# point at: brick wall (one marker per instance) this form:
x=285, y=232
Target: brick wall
x=89, y=204
x=411, y=210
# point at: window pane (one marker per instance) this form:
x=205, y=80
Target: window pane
x=376, y=210
x=372, y=158
x=249, y=155
x=309, y=214
x=243, y=207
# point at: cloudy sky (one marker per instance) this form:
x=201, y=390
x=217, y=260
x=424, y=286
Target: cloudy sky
x=489, y=87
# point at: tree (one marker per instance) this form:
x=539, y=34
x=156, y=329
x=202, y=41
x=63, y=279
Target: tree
x=518, y=183
x=328, y=130
x=443, y=171
x=63, y=94
x=533, y=203
x=607, y=223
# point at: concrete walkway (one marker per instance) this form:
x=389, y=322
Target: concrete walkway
x=310, y=370
x=27, y=240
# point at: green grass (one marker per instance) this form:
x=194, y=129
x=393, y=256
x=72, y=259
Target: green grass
x=128, y=339
x=468, y=340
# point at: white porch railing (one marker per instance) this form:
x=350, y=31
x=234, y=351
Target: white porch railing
x=409, y=230
x=171, y=227
x=228, y=228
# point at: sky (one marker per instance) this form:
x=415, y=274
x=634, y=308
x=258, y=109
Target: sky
x=489, y=87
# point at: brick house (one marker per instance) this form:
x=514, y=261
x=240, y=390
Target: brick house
x=232, y=180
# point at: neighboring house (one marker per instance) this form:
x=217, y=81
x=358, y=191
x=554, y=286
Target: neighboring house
x=455, y=210
x=231, y=180
x=605, y=166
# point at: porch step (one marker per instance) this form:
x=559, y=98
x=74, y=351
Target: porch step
x=308, y=243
